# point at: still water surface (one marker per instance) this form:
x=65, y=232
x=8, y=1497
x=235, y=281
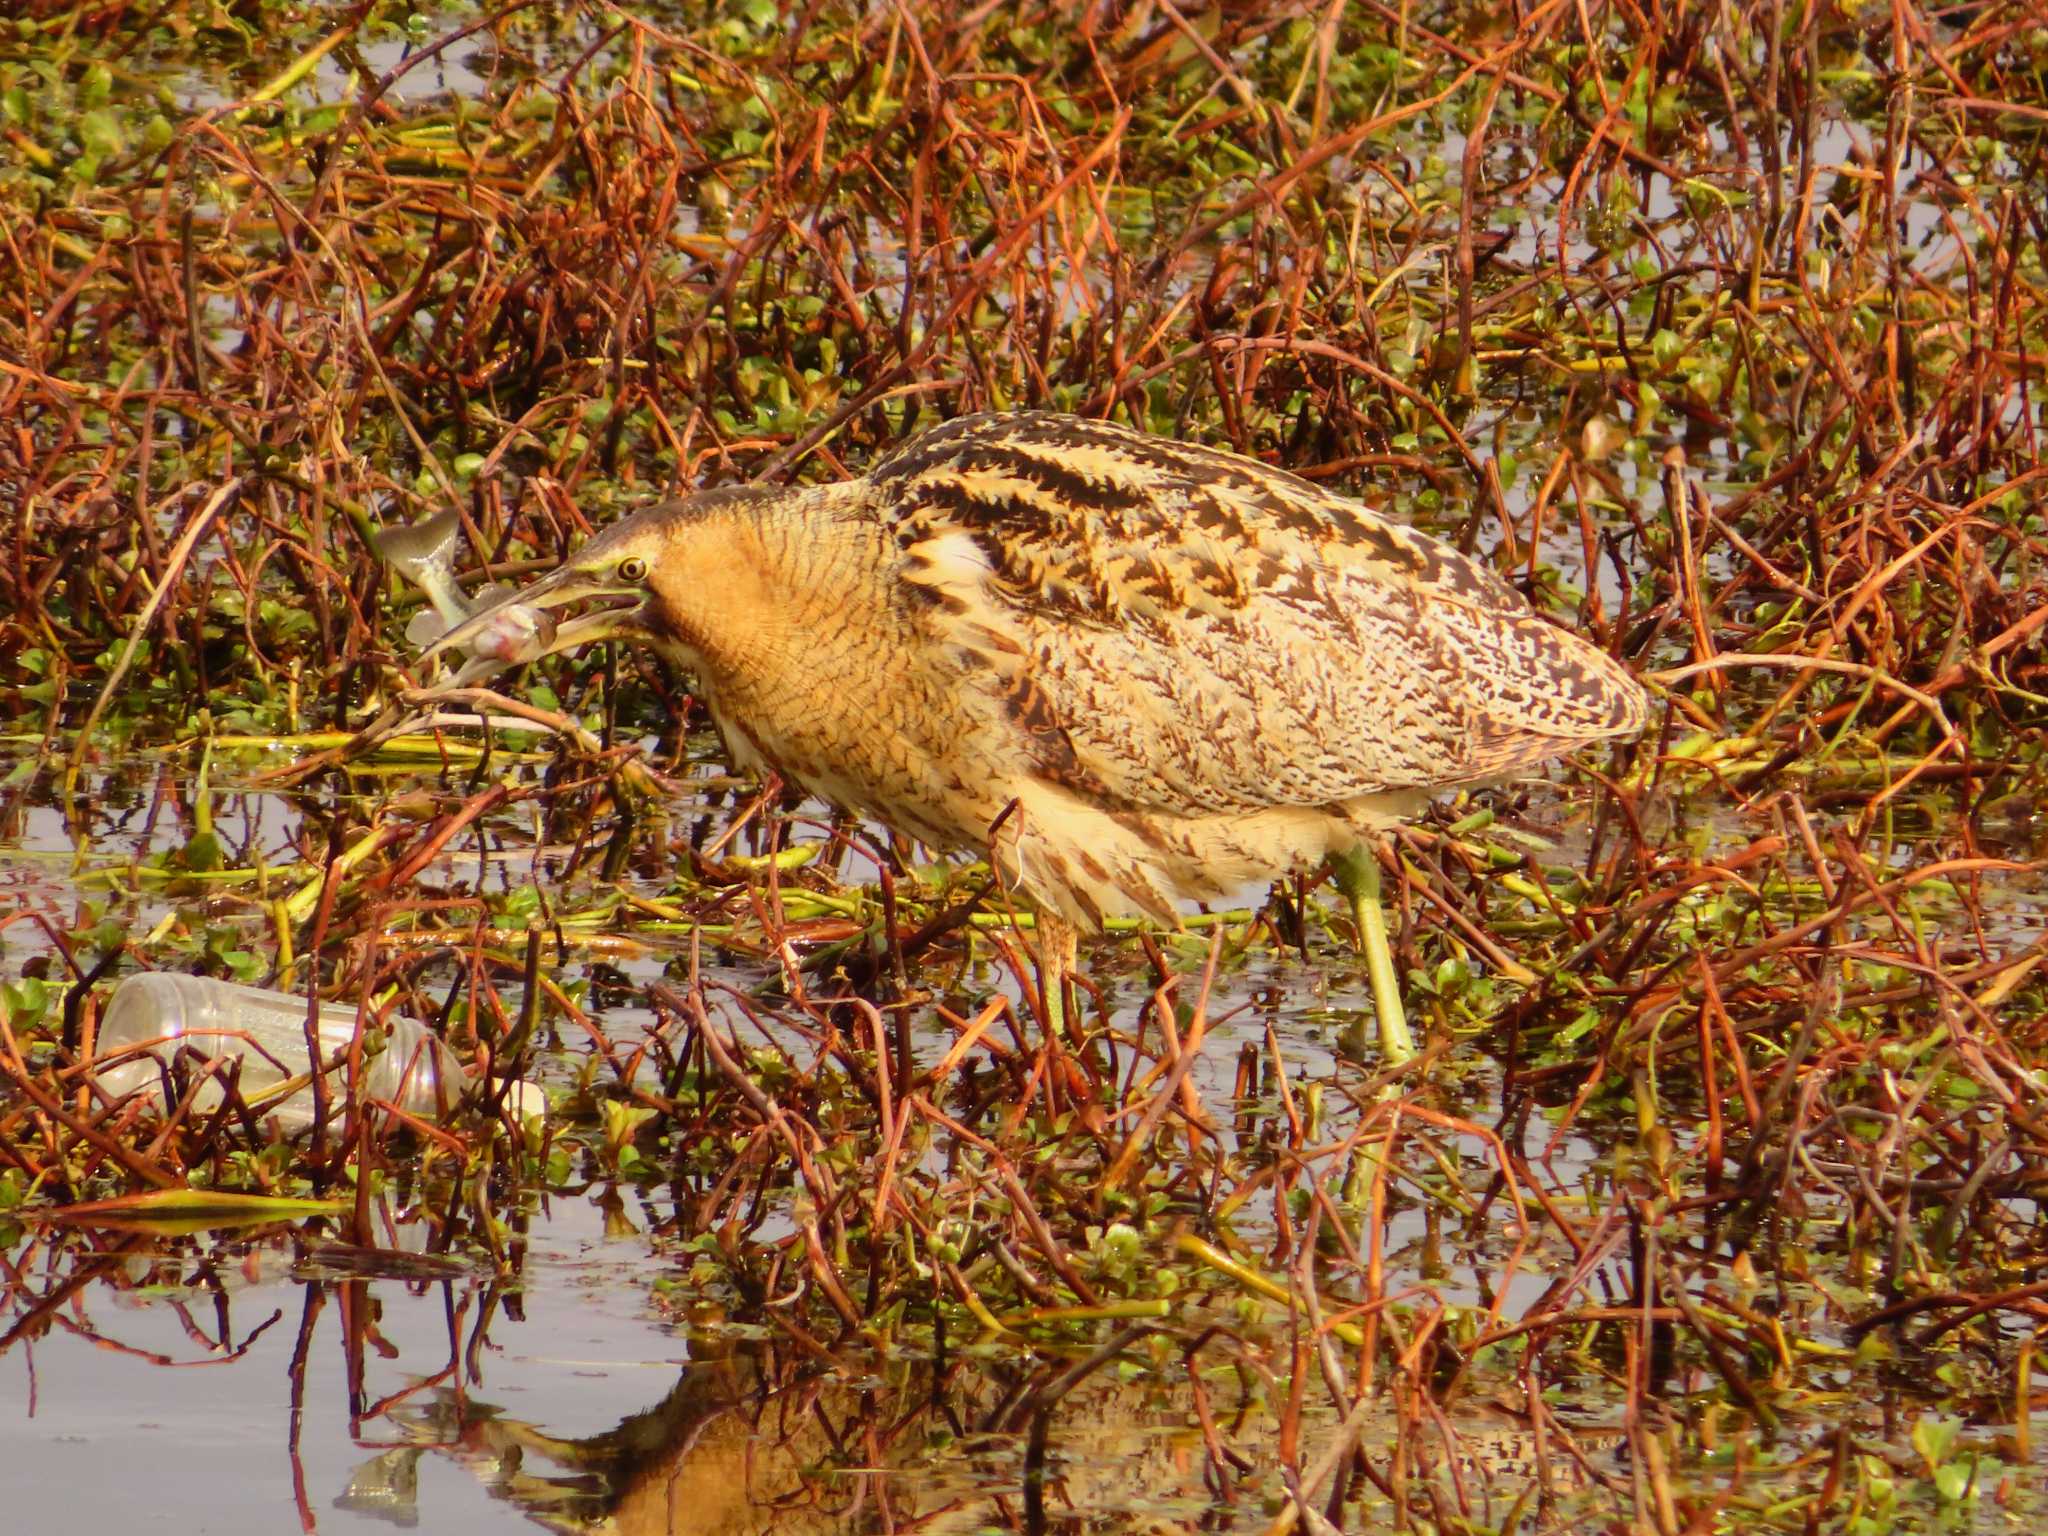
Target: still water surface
x=275, y=1380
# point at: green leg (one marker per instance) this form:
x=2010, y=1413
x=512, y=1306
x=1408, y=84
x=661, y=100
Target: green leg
x=1357, y=872
x=1057, y=946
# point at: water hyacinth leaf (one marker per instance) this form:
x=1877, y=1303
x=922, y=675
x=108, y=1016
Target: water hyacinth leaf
x=195, y=1209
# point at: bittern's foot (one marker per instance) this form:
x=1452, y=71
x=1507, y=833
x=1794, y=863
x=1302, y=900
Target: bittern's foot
x=1357, y=873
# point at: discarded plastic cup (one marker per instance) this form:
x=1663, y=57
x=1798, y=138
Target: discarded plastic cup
x=155, y=1014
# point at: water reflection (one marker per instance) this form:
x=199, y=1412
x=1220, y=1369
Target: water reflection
x=240, y=1379
x=564, y=1401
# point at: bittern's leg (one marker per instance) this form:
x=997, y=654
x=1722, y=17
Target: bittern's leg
x=1057, y=944
x=1357, y=872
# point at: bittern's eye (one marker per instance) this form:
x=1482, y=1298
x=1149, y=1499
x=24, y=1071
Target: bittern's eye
x=633, y=568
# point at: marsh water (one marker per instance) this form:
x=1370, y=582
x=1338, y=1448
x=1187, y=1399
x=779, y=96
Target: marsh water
x=228, y=1379
x=244, y=1380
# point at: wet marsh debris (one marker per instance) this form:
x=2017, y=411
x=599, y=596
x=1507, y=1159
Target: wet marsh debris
x=1717, y=330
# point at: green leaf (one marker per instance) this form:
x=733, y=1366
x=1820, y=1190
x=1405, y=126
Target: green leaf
x=1578, y=1026
x=621, y=1120
x=1935, y=1439
x=27, y=999
x=1952, y=1481
x=100, y=133
x=193, y=1210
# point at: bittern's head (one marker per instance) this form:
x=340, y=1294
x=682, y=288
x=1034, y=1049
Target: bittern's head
x=644, y=577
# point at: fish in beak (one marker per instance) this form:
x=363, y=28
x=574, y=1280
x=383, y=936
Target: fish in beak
x=605, y=587
x=522, y=626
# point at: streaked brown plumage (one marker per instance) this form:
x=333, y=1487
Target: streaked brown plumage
x=1159, y=670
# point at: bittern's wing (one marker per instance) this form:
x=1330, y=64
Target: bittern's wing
x=1186, y=630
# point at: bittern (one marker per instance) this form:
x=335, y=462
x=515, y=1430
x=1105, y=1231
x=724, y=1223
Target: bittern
x=1133, y=672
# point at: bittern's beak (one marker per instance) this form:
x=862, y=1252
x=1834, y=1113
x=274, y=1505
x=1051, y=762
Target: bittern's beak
x=627, y=617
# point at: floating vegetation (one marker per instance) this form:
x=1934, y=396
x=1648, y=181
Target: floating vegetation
x=1712, y=1199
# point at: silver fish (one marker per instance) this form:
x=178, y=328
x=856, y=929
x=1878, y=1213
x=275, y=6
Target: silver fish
x=424, y=554
x=510, y=634
x=514, y=633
